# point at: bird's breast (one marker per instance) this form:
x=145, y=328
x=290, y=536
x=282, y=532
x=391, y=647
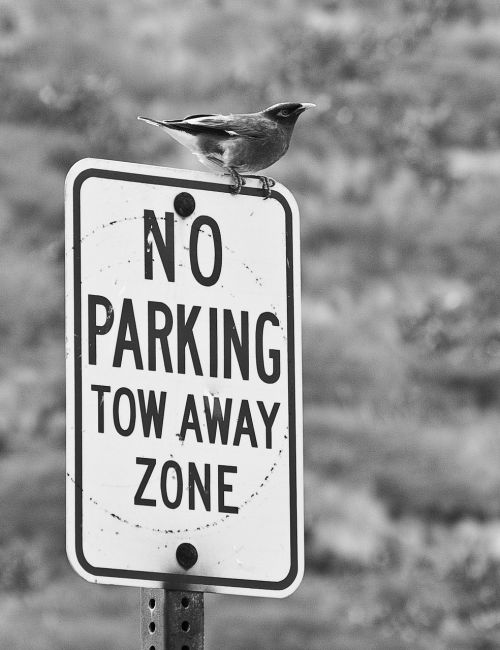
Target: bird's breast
x=249, y=155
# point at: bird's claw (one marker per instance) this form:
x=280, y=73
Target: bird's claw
x=238, y=180
x=236, y=188
x=267, y=183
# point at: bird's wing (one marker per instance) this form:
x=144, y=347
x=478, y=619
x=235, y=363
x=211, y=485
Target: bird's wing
x=192, y=117
x=247, y=126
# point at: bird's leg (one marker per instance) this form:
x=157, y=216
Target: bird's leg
x=238, y=179
x=267, y=183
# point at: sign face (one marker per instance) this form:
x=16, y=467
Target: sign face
x=184, y=405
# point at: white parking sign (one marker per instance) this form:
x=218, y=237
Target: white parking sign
x=184, y=450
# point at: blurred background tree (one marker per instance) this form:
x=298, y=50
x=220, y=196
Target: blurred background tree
x=397, y=176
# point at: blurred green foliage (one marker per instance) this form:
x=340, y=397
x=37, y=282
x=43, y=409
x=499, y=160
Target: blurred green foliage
x=397, y=176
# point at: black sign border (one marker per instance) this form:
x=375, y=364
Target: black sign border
x=172, y=580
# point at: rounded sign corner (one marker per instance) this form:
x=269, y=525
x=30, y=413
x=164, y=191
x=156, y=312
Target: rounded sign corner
x=77, y=175
x=79, y=564
x=80, y=166
x=284, y=196
x=292, y=582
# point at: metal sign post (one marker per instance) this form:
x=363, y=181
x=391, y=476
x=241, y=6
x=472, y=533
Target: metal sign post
x=172, y=620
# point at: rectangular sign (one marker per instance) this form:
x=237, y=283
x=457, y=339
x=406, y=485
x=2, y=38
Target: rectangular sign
x=184, y=400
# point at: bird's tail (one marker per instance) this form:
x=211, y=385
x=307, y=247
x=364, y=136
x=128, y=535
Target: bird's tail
x=149, y=120
x=186, y=126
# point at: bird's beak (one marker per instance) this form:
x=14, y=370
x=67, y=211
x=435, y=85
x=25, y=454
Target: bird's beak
x=148, y=120
x=304, y=106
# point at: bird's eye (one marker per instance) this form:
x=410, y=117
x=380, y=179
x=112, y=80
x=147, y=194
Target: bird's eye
x=285, y=112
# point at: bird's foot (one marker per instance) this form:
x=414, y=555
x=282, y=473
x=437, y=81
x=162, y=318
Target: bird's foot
x=238, y=179
x=267, y=183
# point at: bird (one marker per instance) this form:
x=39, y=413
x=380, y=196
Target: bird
x=239, y=144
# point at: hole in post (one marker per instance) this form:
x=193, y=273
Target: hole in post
x=185, y=626
x=185, y=647
x=153, y=648
x=152, y=627
x=152, y=603
x=185, y=601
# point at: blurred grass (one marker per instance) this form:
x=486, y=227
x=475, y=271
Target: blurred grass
x=396, y=174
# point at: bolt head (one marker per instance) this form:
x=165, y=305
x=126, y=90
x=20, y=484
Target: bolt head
x=184, y=204
x=186, y=555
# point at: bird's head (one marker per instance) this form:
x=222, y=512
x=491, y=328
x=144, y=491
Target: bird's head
x=286, y=113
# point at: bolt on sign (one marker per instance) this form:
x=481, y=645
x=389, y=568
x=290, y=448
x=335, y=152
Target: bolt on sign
x=184, y=451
